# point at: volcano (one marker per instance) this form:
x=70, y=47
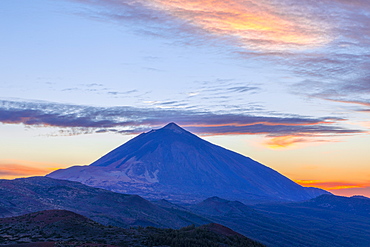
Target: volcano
x=174, y=164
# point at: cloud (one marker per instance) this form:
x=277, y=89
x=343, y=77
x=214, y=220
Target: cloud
x=255, y=25
x=12, y=170
x=77, y=119
x=98, y=88
x=265, y=26
x=289, y=140
x=343, y=188
x=222, y=92
x=243, y=89
x=252, y=24
x=332, y=185
x=324, y=43
x=355, y=102
x=122, y=93
x=339, y=71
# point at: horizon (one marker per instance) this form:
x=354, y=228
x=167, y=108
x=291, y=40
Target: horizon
x=173, y=125
x=281, y=82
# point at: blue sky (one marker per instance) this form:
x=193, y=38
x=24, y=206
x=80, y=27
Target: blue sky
x=284, y=82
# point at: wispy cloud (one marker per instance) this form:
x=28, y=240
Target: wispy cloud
x=267, y=25
x=366, y=104
x=252, y=24
x=77, y=119
x=333, y=185
x=340, y=71
x=289, y=140
x=14, y=170
x=122, y=93
x=256, y=25
x=223, y=94
x=325, y=43
x=98, y=88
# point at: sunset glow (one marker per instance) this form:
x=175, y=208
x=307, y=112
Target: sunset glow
x=255, y=24
x=283, y=141
x=331, y=185
x=10, y=169
x=283, y=82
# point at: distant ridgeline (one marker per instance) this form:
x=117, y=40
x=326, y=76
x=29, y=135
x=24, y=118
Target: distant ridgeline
x=174, y=164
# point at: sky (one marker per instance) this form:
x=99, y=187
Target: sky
x=284, y=82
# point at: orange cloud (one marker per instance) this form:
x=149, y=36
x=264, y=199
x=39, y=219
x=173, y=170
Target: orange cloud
x=332, y=185
x=350, y=102
x=290, y=140
x=10, y=169
x=284, y=141
x=254, y=24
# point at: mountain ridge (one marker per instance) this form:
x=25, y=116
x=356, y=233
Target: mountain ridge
x=26, y=195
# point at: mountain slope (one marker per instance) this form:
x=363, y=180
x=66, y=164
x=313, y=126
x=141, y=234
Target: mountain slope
x=174, y=164
x=26, y=195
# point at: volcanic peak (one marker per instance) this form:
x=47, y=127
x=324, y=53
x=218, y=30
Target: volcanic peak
x=174, y=127
x=175, y=164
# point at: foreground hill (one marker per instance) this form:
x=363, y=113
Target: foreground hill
x=172, y=163
x=58, y=226
x=65, y=228
x=26, y=195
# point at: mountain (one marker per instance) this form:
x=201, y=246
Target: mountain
x=174, y=164
x=65, y=228
x=355, y=205
x=327, y=220
x=250, y=222
x=27, y=195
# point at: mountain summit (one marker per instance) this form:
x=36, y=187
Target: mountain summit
x=174, y=164
x=174, y=127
